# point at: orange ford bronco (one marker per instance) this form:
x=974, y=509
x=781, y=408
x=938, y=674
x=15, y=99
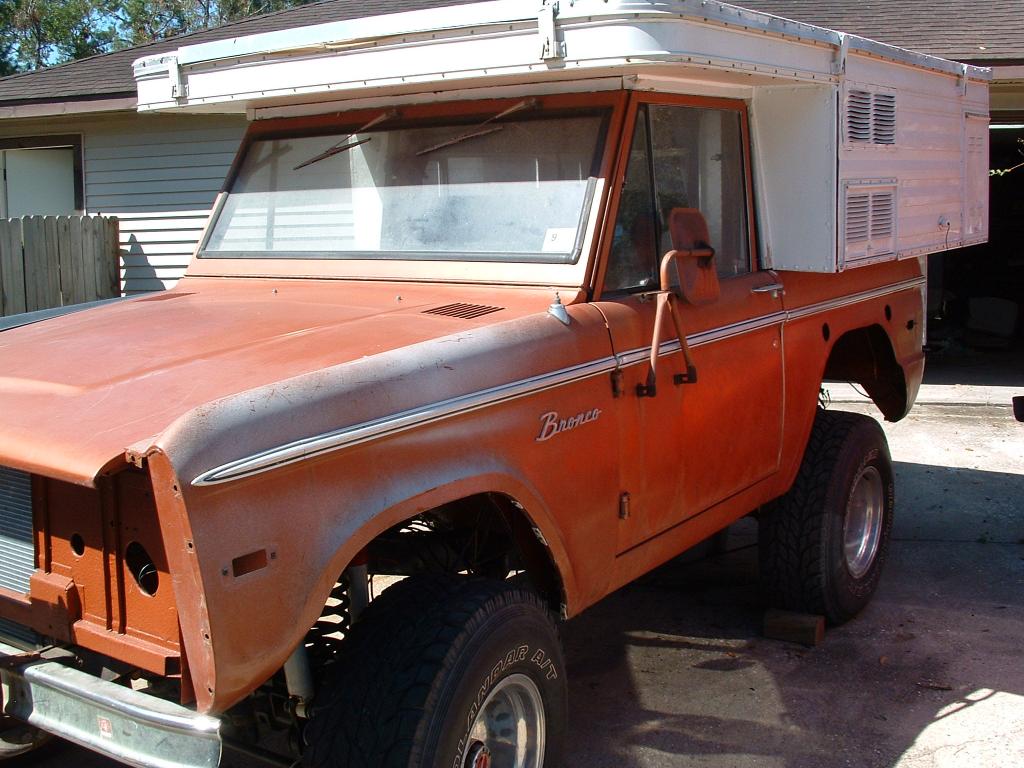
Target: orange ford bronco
x=515, y=306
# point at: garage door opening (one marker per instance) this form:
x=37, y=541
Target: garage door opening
x=975, y=307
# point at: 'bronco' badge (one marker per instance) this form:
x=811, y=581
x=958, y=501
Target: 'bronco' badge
x=551, y=425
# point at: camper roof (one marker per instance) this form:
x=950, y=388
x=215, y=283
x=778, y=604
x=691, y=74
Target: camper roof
x=493, y=42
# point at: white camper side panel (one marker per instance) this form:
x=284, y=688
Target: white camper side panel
x=903, y=179
x=793, y=129
x=976, y=173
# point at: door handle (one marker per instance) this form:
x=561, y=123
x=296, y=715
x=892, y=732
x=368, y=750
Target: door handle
x=773, y=288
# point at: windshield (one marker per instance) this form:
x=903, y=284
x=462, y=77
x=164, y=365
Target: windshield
x=502, y=190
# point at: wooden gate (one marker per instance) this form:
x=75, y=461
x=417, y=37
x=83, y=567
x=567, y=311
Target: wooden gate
x=53, y=261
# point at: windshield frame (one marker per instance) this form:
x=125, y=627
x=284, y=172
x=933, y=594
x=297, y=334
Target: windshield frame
x=512, y=268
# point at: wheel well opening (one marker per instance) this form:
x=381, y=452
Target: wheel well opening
x=865, y=356
x=487, y=534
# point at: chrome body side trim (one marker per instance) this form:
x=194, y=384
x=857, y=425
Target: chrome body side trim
x=111, y=719
x=356, y=434
x=854, y=298
x=370, y=430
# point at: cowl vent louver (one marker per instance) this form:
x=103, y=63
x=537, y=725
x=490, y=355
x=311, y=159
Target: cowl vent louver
x=466, y=311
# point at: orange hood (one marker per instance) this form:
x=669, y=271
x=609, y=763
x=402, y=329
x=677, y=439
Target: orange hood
x=77, y=390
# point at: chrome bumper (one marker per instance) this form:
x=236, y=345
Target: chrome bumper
x=130, y=726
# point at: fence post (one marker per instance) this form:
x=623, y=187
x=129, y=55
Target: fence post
x=111, y=282
x=42, y=265
x=12, y=268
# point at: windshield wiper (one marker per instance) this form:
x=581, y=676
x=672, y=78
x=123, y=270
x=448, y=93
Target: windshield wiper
x=344, y=144
x=480, y=130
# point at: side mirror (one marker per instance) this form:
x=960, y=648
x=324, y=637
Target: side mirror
x=694, y=261
x=694, y=258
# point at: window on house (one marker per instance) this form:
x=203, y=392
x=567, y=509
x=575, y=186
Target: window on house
x=40, y=175
x=681, y=157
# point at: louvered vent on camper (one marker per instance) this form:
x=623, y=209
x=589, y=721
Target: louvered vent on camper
x=869, y=224
x=858, y=116
x=870, y=117
x=858, y=216
x=883, y=119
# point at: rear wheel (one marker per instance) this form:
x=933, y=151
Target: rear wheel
x=444, y=672
x=823, y=544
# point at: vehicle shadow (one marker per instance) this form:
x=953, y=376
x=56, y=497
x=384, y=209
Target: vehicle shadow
x=672, y=670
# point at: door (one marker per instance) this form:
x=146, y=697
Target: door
x=691, y=445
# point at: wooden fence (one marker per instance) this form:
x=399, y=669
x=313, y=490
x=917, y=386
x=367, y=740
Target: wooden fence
x=53, y=261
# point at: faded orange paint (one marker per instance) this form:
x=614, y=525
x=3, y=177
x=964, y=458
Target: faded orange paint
x=243, y=358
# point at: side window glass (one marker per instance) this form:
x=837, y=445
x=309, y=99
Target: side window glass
x=633, y=261
x=697, y=161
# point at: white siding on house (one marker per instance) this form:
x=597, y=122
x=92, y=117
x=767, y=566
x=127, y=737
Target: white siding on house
x=159, y=174
x=160, y=178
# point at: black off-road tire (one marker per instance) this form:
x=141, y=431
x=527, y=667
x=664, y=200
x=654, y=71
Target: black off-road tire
x=419, y=663
x=803, y=560
x=22, y=744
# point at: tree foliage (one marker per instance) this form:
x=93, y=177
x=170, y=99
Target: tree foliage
x=40, y=33
x=36, y=33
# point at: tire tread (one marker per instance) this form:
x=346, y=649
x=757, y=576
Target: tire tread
x=793, y=539
x=387, y=670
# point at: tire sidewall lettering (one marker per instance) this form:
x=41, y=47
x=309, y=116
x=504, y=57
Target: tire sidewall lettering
x=536, y=662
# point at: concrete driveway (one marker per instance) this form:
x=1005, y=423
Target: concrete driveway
x=673, y=671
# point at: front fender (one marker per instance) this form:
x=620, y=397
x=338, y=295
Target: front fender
x=255, y=557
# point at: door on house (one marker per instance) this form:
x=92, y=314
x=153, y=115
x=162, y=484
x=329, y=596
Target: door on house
x=37, y=182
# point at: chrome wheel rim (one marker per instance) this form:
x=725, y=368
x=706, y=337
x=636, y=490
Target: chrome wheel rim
x=862, y=530
x=508, y=730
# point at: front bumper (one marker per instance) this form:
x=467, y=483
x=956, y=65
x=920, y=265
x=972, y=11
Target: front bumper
x=128, y=725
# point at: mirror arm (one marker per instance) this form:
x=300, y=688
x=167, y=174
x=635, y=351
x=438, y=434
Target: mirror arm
x=667, y=300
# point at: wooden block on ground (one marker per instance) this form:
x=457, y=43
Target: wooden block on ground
x=802, y=628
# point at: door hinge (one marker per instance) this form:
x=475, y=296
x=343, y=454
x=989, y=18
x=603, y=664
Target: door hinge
x=624, y=505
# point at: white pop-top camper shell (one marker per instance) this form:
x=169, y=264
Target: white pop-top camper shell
x=862, y=152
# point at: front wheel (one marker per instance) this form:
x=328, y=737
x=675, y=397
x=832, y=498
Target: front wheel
x=18, y=739
x=823, y=544
x=444, y=672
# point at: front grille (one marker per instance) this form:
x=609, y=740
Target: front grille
x=17, y=550
x=23, y=637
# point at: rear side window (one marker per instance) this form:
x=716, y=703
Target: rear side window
x=681, y=157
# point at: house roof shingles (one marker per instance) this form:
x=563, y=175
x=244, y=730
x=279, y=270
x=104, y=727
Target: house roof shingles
x=989, y=31
x=963, y=30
